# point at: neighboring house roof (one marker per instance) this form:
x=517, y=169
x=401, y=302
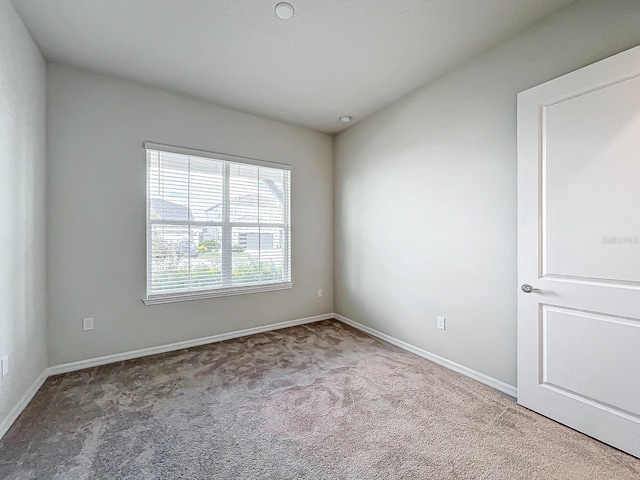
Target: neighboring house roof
x=251, y=198
x=243, y=207
x=170, y=211
x=210, y=209
x=247, y=199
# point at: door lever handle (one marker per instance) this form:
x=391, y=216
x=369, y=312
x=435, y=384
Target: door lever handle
x=526, y=288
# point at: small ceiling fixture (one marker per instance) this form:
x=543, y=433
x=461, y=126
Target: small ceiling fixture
x=345, y=118
x=284, y=10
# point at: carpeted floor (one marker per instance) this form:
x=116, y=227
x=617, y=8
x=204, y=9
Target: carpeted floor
x=320, y=401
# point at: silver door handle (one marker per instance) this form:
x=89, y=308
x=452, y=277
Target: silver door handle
x=526, y=288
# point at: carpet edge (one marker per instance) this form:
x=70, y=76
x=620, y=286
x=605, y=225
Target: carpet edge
x=170, y=347
x=19, y=407
x=456, y=367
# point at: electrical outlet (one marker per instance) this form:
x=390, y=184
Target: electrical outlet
x=5, y=365
x=440, y=323
x=319, y=293
x=87, y=323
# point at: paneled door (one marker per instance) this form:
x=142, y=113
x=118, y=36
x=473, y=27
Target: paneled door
x=579, y=250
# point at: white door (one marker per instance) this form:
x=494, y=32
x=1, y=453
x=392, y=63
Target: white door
x=579, y=244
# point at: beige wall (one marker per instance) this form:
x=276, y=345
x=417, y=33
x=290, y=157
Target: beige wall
x=23, y=325
x=96, y=214
x=425, y=193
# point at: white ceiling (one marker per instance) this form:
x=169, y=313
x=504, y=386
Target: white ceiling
x=334, y=57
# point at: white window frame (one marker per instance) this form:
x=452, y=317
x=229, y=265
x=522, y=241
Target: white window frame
x=226, y=225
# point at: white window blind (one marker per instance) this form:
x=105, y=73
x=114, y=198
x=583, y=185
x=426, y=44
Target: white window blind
x=216, y=224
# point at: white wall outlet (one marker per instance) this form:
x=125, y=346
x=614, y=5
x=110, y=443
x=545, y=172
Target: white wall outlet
x=319, y=293
x=87, y=323
x=440, y=323
x=5, y=365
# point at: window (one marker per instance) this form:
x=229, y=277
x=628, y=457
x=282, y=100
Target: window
x=216, y=225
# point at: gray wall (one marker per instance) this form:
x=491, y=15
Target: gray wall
x=425, y=193
x=96, y=211
x=22, y=209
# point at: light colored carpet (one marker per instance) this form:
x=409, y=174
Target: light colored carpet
x=320, y=401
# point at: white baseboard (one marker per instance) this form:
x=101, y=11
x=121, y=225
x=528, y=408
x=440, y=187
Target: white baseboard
x=13, y=415
x=143, y=352
x=456, y=367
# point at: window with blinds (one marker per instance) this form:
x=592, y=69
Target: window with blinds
x=216, y=224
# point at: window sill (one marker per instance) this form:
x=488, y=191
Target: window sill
x=223, y=292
